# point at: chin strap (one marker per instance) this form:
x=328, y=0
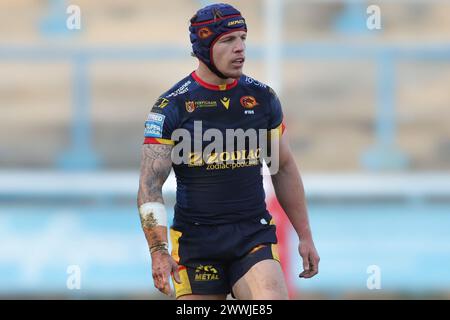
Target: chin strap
x=216, y=71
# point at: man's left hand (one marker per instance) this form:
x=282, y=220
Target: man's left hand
x=310, y=258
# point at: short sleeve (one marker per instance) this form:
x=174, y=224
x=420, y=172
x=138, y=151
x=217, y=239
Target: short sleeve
x=275, y=113
x=161, y=122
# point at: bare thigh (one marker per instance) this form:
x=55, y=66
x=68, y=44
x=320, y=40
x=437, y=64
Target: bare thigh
x=264, y=281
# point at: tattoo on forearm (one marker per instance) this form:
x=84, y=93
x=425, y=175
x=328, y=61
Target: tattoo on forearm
x=155, y=168
x=148, y=221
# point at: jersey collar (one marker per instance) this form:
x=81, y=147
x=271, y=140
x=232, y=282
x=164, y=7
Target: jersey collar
x=210, y=86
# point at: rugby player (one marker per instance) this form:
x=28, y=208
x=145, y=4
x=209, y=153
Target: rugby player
x=223, y=238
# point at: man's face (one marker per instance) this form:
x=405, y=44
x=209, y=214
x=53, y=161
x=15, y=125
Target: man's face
x=229, y=53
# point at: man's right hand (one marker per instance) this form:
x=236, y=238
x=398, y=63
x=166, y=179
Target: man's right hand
x=163, y=265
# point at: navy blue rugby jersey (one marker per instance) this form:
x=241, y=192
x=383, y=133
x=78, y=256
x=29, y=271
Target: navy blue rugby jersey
x=222, y=185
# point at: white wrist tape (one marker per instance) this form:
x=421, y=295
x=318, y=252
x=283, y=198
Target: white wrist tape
x=153, y=214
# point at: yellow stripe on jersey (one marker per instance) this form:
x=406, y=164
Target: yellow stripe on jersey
x=158, y=141
x=184, y=287
x=275, y=254
x=174, y=236
x=164, y=141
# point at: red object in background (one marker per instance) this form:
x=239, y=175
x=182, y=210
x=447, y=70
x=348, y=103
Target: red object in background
x=283, y=229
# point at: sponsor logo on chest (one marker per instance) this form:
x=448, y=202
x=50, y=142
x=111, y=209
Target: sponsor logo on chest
x=192, y=105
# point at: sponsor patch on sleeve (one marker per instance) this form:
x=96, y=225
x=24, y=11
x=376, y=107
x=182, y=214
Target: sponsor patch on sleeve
x=154, y=125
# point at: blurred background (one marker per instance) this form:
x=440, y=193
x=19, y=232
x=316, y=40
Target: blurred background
x=367, y=109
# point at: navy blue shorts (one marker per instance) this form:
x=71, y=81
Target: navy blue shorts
x=212, y=258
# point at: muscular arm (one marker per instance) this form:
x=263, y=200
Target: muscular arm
x=155, y=168
x=291, y=195
x=156, y=164
x=290, y=192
